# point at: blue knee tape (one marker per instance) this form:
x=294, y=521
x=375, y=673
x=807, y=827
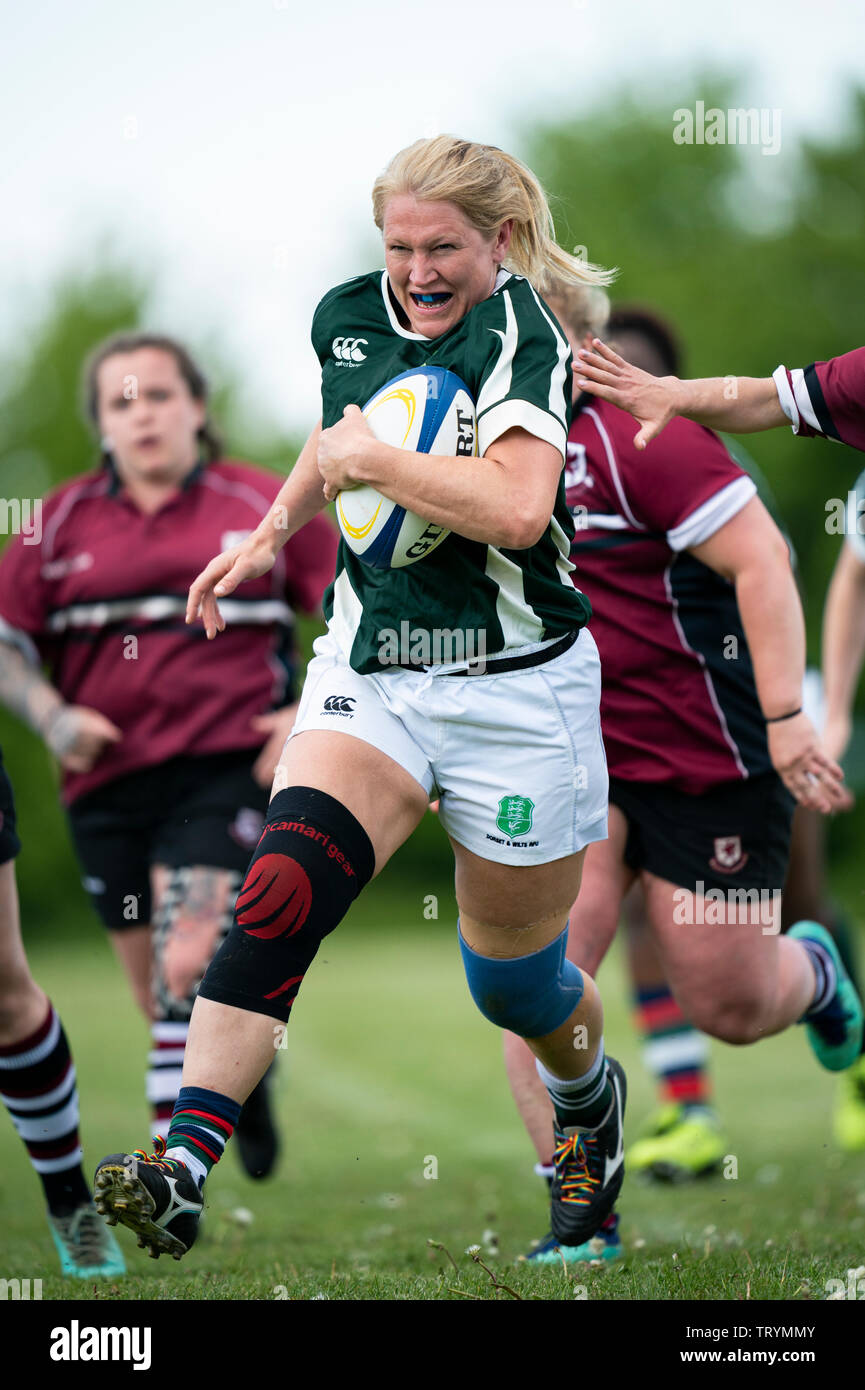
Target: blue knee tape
x=530, y=995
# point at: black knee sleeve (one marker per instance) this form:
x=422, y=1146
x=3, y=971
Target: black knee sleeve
x=311, y=862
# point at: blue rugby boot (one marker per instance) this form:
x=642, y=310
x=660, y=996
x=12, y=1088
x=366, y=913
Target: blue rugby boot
x=835, y=1030
x=87, y=1249
x=605, y=1245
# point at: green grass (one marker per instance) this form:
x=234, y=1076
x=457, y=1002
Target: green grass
x=388, y=1065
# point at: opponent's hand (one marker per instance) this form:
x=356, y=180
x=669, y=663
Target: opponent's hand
x=341, y=450
x=222, y=576
x=650, y=399
x=277, y=725
x=805, y=768
x=78, y=736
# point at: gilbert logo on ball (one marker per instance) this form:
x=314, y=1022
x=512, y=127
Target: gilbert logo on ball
x=428, y=411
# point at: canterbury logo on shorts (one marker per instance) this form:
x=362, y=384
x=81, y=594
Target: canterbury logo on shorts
x=339, y=704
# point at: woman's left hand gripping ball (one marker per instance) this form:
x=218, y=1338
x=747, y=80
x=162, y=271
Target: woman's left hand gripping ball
x=342, y=450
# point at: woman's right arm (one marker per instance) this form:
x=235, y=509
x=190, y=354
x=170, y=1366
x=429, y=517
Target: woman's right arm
x=300, y=498
x=24, y=690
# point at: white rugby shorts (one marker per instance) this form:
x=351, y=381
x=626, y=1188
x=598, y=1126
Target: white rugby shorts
x=515, y=758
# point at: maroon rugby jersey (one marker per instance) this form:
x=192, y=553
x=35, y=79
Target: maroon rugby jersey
x=101, y=599
x=826, y=398
x=678, y=700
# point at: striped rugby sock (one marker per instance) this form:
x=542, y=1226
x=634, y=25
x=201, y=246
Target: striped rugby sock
x=825, y=976
x=676, y=1053
x=37, y=1086
x=580, y=1102
x=165, y=1066
x=202, y=1123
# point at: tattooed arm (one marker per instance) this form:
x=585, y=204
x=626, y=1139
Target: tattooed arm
x=75, y=734
x=25, y=691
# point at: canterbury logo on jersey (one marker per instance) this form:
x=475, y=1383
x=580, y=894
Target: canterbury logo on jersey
x=339, y=704
x=349, y=349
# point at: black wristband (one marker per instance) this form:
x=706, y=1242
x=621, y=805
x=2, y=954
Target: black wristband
x=779, y=718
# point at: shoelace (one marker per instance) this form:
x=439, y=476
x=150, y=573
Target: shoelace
x=157, y=1158
x=84, y=1232
x=576, y=1187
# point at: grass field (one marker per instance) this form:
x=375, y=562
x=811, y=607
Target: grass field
x=389, y=1066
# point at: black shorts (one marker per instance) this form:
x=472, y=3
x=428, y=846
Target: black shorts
x=735, y=836
x=206, y=810
x=10, y=845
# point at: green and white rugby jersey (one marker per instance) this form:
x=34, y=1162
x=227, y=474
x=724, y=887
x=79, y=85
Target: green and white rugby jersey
x=515, y=361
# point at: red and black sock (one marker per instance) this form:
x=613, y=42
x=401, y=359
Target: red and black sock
x=675, y=1052
x=37, y=1086
x=165, y=1067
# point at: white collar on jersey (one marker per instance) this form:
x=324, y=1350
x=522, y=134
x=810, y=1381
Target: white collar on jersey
x=501, y=279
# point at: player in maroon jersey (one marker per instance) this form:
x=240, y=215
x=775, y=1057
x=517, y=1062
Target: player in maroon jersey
x=697, y=619
x=826, y=398
x=683, y=1137
x=677, y=1055
x=167, y=743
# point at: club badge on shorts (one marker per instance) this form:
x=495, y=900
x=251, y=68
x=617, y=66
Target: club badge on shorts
x=728, y=857
x=515, y=815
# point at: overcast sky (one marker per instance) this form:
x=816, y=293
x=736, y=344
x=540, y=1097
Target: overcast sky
x=232, y=145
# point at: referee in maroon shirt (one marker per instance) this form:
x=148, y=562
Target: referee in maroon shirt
x=167, y=742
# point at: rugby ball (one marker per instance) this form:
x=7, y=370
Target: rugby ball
x=429, y=411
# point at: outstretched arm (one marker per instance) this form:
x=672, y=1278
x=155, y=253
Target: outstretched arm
x=742, y=404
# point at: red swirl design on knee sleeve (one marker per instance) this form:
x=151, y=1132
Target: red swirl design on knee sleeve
x=275, y=899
